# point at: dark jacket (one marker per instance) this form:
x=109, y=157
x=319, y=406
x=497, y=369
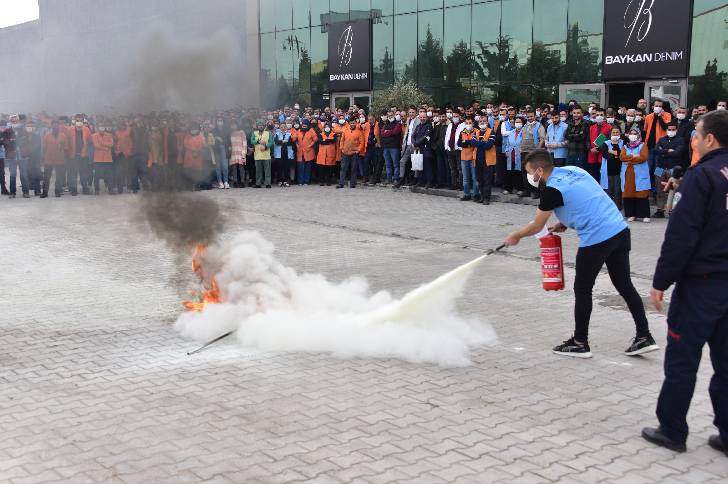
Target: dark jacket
x=438, y=136
x=696, y=240
x=391, y=134
x=685, y=131
x=422, y=139
x=577, y=137
x=29, y=145
x=670, y=159
x=7, y=139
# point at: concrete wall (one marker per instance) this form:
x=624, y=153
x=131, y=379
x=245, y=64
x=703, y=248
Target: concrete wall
x=109, y=55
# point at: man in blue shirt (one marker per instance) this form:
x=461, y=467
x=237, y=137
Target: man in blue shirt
x=694, y=257
x=580, y=203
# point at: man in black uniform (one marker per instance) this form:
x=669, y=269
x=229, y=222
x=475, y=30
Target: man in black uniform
x=695, y=257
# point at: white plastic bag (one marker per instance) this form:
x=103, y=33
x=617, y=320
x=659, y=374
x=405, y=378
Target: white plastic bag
x=418, y=161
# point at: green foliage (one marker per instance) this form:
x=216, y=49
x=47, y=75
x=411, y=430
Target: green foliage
x=402, y=93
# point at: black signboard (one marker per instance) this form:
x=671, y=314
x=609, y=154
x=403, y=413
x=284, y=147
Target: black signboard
x=646, y=39
x=350, y=56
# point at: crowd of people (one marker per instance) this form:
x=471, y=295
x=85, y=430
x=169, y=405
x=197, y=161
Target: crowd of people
x=636, y=153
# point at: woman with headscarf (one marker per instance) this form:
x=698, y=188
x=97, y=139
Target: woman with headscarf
x=635, y=177
x=239, y=144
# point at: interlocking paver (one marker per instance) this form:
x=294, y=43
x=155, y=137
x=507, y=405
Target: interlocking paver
x=95, y=385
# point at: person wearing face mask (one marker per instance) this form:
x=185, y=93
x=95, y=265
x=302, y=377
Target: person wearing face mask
x=635, y=178
x=694, y=257
x=124, y=154
x=514, y=138
x=721, y=106
x=471, y=190
x=54, y=152
x=439, y=130
x=391, y=134
x=282, y=154
x=369, y=160
x=534, y=137
x=611, y=169
x=604, y=238
x=222, y=169
x=670, y=152
x=483, y=141
x=655, y=129
x=500, y=163
x=239, y=148
x=306, y=140
x=262, y=140
x=409, y=128
x=422, y=140
x=352, y=142
x=556, y=137
x=685, y=127
x=612, y=120
x=577, y=137
x=631, y=121
x=79, y=142
x=453, y=150
x=192, y=148
x=8, y=138
x=103, y=143
x=30, y=147
x=326, y=158
x=598, y=127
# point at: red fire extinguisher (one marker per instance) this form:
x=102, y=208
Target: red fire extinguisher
x=552, y=263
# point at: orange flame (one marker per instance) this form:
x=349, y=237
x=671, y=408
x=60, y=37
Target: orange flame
x=211, y=294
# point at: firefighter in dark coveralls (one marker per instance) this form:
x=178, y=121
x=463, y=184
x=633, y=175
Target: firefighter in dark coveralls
x=695, y=257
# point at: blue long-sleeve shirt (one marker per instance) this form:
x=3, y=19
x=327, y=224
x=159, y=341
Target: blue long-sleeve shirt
x=696, y=240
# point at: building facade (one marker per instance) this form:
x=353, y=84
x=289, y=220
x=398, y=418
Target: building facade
x=516, y=50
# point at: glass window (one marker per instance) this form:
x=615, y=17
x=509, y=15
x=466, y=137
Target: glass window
x=284, y=14
x=429, y=48
x=298, y=44
x=268, y=67
x=284, y=67
x=300, y=13
x=405, y=46
x=548, y=53
x=385, y=6
x=319, y=61
x=267, y=16
x=584, y=40
x=359, y=9
x=487, y=42
x=516, y=31
x=383, y=53
x=709, y=53
x=429, y=5
x=318, y=9
x=405, y=6
x=340, y=7
x=458, y=64
x=455, y=3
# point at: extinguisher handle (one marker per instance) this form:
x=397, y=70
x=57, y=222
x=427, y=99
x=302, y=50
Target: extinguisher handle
x=493, y=251
x=500, y=247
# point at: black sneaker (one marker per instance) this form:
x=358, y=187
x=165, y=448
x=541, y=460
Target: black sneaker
x=659, y=214
x=640, y=345
x=465, y=198
x=572, y=348
x=658, y=438
x=716, y=442
x=477, y=199
x=339, y=186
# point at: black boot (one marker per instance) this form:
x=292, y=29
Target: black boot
x=658, y=438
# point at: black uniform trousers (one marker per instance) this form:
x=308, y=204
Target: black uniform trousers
x=698, y=314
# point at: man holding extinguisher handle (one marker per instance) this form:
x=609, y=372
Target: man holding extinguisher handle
x=580, y=203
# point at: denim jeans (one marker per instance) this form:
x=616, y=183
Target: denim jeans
x=221, y=167
x=348, y=165
x=303, y=172
x=470, y=178
x=577, y=160
x=15, y=165
x=391, y=160
x=365, y=161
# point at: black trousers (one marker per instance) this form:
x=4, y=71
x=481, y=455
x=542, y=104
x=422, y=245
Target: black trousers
x=485, y=174
x=105, y=171
x=500, y=168
x=589, y=261
x=636, y=207
x=376, y=173
x=60, y=178
x=698, y=314
x=453, y=161
x=2, y=176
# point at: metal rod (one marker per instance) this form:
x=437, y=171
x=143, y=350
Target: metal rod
x=210, y=342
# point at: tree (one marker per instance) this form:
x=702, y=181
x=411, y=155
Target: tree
x=582, y=60
x=402, y=93
x=384, y=72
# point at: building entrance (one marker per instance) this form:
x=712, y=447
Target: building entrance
x=625, y=93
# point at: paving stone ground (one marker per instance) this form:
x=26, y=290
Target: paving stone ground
x=95, y=385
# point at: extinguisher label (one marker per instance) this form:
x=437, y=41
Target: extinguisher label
x=551, y=264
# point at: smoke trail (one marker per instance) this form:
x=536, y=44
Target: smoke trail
x=273, y=308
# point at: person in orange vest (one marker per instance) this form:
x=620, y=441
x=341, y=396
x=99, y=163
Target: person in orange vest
x=352, y=144
x=485, y=158
x=467, y=160
x=78, y=137
x=124, y=151
x=326, y=159
x=305, y=139
x=192, y=147
x=103, y=143
x=156, y=163
x=655, y=129
x=54, y=151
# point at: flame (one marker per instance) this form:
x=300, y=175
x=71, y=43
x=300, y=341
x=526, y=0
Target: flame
x=211, y=294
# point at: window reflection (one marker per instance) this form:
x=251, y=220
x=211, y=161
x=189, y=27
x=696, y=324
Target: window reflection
x=405, y=46
x=708, y=53
x=383, y=53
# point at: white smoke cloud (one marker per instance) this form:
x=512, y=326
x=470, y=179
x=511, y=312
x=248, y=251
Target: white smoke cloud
x=273, y=308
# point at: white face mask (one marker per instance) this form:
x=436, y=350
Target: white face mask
x=391, y=120
x=518, y=125
x=502, y=117
x=449, y=115
x=532, y=180
x=563, y=118
x=29, y=129
x=489, y=111
x=671, y=133
x=362, y=120
x=398, y=117
x=384, y=118
x=102, y=129
x=468, y=128
x=429, y=114
x=657, y=109
x=455, y=119
x=599, y=119
x=289, y=126
x=482, y=126
x=610, y=120
x=538, y=114
x=327, y=129
x=720, y=108
x=615, y=139
x=633, y=138
x=476, y=118
x=638, y=118
x=630, y=119
x=681, y=116
x=342, y=121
